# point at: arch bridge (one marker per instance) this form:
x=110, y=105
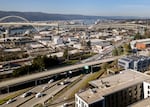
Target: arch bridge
x=26, y=22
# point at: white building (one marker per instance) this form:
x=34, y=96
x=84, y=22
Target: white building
x=77, y=46
x=36, y=45
x=118, y=90
x=57, y=40
x=99, y=45
x=73, y=39
x=44, y=32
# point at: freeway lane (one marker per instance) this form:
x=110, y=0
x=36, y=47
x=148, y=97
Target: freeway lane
x=51, y=72
x=20, y=100
x=48, y=94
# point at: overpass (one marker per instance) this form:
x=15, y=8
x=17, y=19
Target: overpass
x=5, y=85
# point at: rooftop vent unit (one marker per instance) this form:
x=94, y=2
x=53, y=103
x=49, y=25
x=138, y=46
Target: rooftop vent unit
x=107, y=84
x=93, y=91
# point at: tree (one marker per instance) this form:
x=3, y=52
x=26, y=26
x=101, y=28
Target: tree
x=147, y=33
x=38, y=63
x=120, y=50
x=114, y=64
x=89, y=44
x=115, y=52
x=66, y=54
x=104, y=66
x=138, y=36
x=127, y=48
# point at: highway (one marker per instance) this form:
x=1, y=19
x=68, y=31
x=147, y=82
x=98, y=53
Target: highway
x=20, y=101
x=49, y=93
x=32, y=100
x=52, y=72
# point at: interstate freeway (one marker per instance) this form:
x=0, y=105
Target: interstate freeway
x=36, y=76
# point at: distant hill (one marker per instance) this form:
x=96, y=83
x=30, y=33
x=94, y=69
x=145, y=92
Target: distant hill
x=39, y=16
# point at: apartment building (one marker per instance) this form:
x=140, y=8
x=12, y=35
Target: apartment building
x=118, y=90
x=142, y=103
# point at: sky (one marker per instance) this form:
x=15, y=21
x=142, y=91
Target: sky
x=84, y=7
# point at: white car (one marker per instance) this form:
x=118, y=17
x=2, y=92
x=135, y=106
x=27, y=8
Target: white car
x=38, y=95
x=45, y=87
x=10, y=101
x=50, y=81
x=26, y=94
x=65, y=105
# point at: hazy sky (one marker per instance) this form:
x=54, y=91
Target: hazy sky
x=85, y=7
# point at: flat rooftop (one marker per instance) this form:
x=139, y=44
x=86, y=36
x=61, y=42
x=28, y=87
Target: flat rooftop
x=135, y=58
x=142, y=103
x=111, y=84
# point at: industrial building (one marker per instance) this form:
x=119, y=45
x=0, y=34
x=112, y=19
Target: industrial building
x=120, y=90
x=138, y=63
x=140, y=44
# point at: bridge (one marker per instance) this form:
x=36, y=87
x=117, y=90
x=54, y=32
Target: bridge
x=26, y=22
x=34, y=24
x=6, y=85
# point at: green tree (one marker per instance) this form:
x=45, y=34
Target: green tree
x=38, y=63
x=104, y=66
x=89, y=44
x=127, y=48
x=66, y=54
x=138, y=36
x=115, y=52
x=120, y=50
x=114, y=64
x=147, y=33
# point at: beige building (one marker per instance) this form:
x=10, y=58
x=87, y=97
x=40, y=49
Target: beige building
x=119, y=90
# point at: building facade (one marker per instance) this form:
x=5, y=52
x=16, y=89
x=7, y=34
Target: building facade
x=140, y=44
x=120, y=90
x=138, y=63
x=142, y=103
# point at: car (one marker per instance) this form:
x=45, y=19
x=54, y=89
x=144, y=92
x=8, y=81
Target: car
x=65, y=105
x=45, y=87
x=26, y=94
x=61, y=83
x=38, y=95
x=50, y=81
x=10, y=101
